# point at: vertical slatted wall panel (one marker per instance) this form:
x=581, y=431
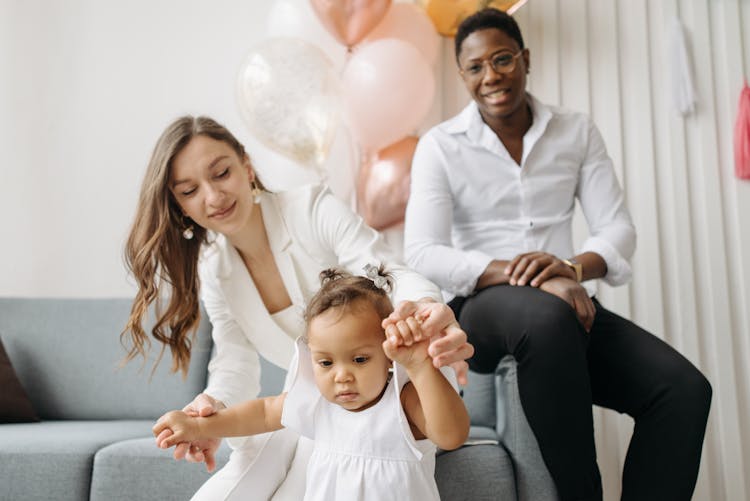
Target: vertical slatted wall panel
x=728, y=66
x=724, y=450
x=674, y=214
x=691, y=283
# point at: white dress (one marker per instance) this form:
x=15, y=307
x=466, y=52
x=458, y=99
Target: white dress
x=359, y=456
x=308, y=230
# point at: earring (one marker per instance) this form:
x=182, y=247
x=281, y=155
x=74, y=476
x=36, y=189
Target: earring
x=187, y=233
x=255, y=191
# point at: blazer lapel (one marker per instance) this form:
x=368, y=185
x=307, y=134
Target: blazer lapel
x=281, y=246
x=246, y=306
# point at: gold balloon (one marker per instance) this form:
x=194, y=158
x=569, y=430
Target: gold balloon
x=448, y=14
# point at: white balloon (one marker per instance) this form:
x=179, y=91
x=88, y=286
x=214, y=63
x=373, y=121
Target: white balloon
x=289, y=97
x=296, y=18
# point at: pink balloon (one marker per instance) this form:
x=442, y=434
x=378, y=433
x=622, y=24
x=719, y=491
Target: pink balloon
x=388, y=90
x=350, y=20
x=383, y=184
x=411, y=24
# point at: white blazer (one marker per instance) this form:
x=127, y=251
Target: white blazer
x=309, y=230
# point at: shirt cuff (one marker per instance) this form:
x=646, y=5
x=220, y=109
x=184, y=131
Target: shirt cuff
x=619, y=271
x=463, y=279
x=231, y=392
x=219, y=395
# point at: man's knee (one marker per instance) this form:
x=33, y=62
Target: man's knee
x=694, y=392
x=553, y=312
x=529, y=307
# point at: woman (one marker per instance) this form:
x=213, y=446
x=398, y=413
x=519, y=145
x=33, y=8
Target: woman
x=489, y=220
x=205, y=226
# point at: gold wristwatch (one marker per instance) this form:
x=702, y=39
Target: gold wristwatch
x=577, y=267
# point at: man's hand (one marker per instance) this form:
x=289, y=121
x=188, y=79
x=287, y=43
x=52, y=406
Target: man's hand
x=575, y=295
x=535, y=268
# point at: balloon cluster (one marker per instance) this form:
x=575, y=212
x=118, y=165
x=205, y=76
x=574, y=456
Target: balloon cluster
x=292, y=96
x=448, y=14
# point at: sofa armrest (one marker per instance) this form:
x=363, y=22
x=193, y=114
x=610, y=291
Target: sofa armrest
x=533, y=481
x=480, y=399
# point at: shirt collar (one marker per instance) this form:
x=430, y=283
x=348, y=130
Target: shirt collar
x=542, y=115
x=469, y=121
x=462, y=122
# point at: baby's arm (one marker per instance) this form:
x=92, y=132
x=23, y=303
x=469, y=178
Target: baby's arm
x=247, y=418
x=430, y=402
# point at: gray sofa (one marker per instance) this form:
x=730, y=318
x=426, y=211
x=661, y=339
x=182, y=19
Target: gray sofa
x=94, y=443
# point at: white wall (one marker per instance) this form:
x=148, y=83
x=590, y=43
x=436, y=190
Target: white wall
x=87, y=86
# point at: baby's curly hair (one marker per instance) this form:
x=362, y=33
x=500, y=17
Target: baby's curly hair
x=341, y=289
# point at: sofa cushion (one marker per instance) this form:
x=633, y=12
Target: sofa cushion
x=15, y=406
x=479, y=397
x=475, y=473
x=482, y=433
x=67, y=352
x=272, y=379
x=53, y=460
x=136, y=470
x=138, y=462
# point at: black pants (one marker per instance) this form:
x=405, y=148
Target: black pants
x=562, y=371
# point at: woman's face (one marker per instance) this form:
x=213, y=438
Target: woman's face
x=498, y=94
x=211, y=184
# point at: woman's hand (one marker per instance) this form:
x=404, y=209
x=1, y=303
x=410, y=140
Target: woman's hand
x=575, y=295
x=448, y=345
x=200, y=451
x=535, y=268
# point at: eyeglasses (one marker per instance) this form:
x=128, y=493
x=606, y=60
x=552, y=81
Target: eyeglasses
x=502, y=62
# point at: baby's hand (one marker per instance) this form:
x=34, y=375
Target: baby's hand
x=175, y=427
x=406, y=344
x=448, y=342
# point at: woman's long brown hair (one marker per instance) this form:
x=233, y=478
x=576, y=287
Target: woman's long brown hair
x=163, y=263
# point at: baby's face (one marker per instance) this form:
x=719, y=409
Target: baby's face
x=349, y=364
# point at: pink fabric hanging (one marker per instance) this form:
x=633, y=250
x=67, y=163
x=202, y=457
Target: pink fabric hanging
x=742, y=136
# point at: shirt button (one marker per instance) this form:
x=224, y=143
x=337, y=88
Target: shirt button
x=531, y=224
